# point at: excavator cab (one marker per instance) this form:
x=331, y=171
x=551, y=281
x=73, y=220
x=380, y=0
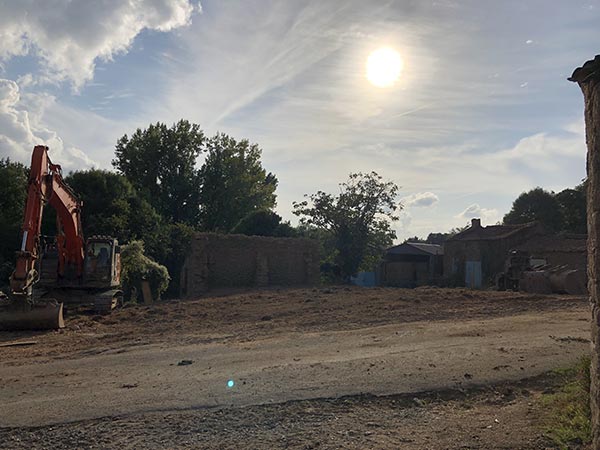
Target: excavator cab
x=102, y=264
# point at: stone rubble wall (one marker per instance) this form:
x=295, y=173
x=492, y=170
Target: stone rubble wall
x=232, y=260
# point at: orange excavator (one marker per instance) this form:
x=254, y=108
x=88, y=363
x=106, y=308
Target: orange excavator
x=65, y=269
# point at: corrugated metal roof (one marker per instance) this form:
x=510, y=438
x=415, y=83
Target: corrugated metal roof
x=416, y=248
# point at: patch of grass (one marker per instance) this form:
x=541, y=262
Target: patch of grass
x=566, y=411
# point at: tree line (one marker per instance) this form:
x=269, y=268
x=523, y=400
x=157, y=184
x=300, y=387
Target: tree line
x=564, y=211
x=171, y=181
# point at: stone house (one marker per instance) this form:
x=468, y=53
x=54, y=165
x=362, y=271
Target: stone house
x=557, y=250
x=475, y=256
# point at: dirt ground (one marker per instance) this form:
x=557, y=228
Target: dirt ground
x=246, y=316
x=317, y=368
x=499, y=417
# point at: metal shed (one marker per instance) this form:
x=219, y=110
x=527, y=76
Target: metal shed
x=412, y=264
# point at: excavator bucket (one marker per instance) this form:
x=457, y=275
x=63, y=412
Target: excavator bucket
x=39, y=317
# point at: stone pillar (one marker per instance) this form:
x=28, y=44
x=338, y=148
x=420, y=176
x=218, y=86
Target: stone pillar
x=588, y=78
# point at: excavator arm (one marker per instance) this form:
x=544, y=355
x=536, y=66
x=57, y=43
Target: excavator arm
x=46, y=186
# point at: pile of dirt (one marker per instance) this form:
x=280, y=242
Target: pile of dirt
x=248, y=315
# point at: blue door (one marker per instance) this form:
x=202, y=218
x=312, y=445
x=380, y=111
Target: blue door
x=473, y=274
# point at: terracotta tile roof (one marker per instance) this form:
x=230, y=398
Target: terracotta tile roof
x=492, y=232
x=559, y=243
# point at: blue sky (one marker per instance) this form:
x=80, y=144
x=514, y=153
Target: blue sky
x=481, y=112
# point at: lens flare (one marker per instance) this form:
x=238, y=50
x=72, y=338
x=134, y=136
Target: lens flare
x=230, y=383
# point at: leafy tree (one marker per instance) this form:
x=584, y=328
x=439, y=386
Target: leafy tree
x=285, y=229
x=13, y=185
x=438, y=238
x=264, y=223
x=328, y=254
x=573, y=209
x=234, y=183
x=160, y=162
x=539, y=205
x=380, y=238
x=175, y=244
x=111, y=206
x=358, y=218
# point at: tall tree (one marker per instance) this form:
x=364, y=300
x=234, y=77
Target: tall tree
x=13, y=185
x=234, y=183
x=588, y=78
x=111, y=206
x=539, y=205
x=573, y=209
x=359, y=218
x=160, y=162
x=438, y=238
x=264, y=223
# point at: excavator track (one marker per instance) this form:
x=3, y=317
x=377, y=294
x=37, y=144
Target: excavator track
x=105, y=302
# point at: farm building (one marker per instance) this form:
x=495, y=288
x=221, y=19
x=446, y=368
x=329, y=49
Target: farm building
x=558, y=250
x=473, y=257
x=411, y=264
x=233, y=260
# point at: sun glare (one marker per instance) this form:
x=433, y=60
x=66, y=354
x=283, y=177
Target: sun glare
x=384, y=67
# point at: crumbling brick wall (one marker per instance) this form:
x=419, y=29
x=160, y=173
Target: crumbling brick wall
x=232, y=260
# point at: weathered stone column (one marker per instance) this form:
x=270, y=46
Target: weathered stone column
x=588, y=78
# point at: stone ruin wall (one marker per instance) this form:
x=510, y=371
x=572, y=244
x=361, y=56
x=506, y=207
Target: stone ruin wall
x=231, y=260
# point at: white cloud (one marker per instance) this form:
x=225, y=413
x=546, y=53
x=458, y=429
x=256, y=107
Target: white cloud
x=21, y=128
x=546, y=152
x=70, y=37
x=420, y=199
x=487, y=216
x=404, y=220
x=67, y=39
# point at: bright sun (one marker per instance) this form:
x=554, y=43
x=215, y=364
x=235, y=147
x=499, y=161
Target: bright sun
x=384, y=67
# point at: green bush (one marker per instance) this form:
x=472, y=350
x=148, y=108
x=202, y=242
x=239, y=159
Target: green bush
x=136, y=267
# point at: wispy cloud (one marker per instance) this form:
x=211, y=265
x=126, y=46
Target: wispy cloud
x=291, y=77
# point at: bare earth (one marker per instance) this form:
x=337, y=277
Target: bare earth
x=313, y=368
